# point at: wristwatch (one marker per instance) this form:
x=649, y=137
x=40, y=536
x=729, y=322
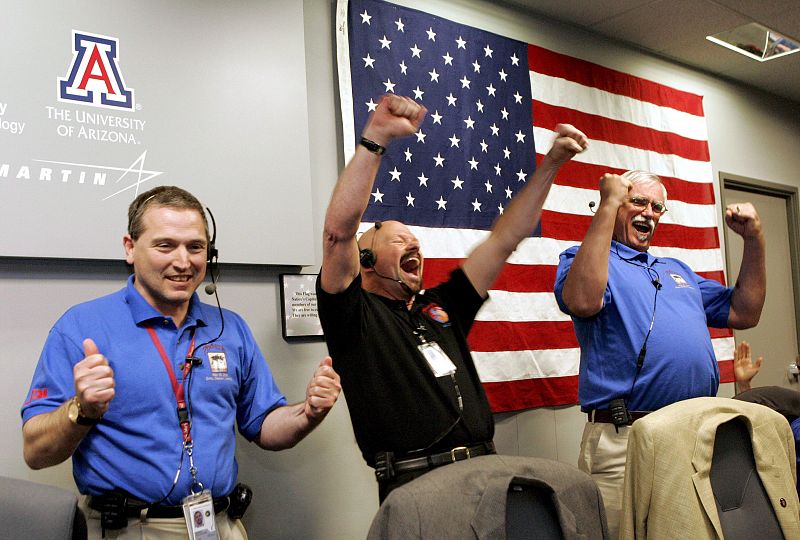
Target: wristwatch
x=76, y=415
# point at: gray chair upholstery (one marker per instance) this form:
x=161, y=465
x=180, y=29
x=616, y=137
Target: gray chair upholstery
x=742, y=502
x=531, y=512
x=33, y=511
x=498, y=497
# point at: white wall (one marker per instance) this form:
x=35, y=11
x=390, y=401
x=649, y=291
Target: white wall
x=322, y=489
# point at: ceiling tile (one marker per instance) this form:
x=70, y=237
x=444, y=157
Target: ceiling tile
x=579, y=12
x=670, y=23
x=676, y=30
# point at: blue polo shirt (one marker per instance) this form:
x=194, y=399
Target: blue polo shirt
x=137, y=445
x=680, y=361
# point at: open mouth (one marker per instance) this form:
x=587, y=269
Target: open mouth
x=410, y=264
x=179, y=279
x=643, y=226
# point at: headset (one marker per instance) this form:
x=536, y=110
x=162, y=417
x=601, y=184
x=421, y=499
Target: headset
x=212, y=256
x=367, y=256
x=213, y=253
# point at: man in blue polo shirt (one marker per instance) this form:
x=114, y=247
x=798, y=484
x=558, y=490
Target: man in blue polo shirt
x=641, y=320
x=143, y=388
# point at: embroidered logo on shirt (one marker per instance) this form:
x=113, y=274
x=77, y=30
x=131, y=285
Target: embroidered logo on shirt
x=436, y=313
x=679, y=281
x=218, y=362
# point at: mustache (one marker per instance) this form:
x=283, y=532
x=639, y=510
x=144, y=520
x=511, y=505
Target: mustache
x=650, y=222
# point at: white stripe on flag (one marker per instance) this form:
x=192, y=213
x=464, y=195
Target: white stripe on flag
x=521, y=307
x=572, y=95
x=627, y=157
x=519, y=365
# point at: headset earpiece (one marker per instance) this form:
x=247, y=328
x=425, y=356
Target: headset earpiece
x=212, y=252
x=367, y=255
x=367, y=258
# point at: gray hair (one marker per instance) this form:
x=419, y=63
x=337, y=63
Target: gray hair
x=641, y=177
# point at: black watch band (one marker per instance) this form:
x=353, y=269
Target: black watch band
x=372, y=146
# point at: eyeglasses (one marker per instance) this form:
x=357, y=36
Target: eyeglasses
x=642, y=202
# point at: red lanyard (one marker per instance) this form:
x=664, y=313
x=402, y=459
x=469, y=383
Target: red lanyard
x=183, y=413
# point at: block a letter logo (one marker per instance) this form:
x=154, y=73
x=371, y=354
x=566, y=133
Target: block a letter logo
x=94, y=76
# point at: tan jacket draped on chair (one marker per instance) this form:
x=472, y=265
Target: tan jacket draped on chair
x=667, y=482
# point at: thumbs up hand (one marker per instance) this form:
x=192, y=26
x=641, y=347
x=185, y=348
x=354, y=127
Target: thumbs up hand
x=94, y=381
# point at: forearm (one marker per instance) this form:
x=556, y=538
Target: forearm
x=285, y=426
x=348, y=203
x=750, y=290
x=51, y=438
x=516, y=223
x=351, y=194
x=588, y=276
x=525, y=210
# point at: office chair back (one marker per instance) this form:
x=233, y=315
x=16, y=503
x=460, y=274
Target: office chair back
x=31, y=511
x=531, y=513
x=742, y=502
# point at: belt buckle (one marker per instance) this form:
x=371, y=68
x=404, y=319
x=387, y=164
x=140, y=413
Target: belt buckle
x=454, y=453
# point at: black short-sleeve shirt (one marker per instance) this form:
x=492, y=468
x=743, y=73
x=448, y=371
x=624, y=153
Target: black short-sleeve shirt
x=396, y=403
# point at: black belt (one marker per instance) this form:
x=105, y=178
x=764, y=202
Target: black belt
x=603, y=416
x=386, y=467
x=133, y=507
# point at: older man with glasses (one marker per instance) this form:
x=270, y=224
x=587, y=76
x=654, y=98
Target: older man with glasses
x=642, y=320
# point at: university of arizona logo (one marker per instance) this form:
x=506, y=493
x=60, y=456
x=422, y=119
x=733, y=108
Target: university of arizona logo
x=94, y=76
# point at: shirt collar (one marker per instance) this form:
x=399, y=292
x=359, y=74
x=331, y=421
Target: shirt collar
x=142, y=311
x=629, y=254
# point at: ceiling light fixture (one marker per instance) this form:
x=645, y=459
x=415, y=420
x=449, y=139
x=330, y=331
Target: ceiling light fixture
x=756, y=41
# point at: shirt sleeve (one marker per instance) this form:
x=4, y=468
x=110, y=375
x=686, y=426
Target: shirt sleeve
x=716, y=301
x=339, y=312
x=53, y=381
x=259, y=393
x=565, y=261
x=459, y=297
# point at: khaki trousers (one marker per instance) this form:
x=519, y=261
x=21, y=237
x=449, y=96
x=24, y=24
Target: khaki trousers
x=158, y=529
x=603, y=453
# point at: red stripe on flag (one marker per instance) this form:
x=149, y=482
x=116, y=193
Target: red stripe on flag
x=593, y=75
x=725, y=371
x=437, y=270
x=600, y=128
x=716, y=275
x=494, y=336
x=513, y=278
x=720, y=332
x=528, y=393
x=573, y=227
x=587, y=176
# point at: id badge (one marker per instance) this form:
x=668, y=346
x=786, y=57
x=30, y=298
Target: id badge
x=439, y=362
x=198, y=510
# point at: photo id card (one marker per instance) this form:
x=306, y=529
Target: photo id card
x=198, y=510
x=439, y=362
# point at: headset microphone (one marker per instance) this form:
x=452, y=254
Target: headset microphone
x=657, y=283
x=211, y=288
x=591, y=206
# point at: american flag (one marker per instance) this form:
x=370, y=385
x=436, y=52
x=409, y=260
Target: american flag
x=493, y=103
